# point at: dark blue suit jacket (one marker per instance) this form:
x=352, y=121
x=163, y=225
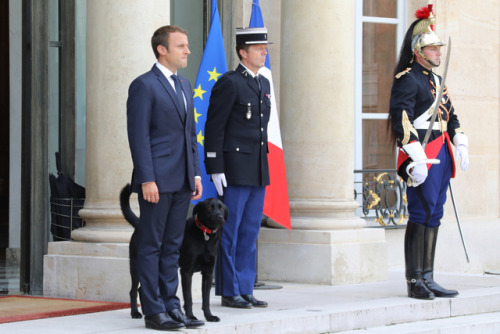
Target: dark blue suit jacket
x=162, y=137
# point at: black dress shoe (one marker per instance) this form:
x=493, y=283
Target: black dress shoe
x=161, y=322
x=252, y=300
x=236, y=302
x=177, y=315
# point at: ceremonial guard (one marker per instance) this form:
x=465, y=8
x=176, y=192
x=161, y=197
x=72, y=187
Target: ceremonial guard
x=236, y=158
x=416, y=91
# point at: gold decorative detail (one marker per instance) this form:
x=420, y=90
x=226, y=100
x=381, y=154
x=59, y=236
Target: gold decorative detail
x=424, y=26
x=407, y=128
x=400, y=74
x=373, y=199
x=380, y=220
x=379, y=177
x=402, y=218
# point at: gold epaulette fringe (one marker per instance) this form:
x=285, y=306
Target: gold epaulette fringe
x=400, y=74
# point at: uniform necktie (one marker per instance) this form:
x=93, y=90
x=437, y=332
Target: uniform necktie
x=257, y=78
x=178, y=91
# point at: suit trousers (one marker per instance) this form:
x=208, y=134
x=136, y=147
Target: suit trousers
x=160, y=234
x=425, y=202
x=236, y=265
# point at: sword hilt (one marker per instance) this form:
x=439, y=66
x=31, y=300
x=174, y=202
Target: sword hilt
x=413, y=164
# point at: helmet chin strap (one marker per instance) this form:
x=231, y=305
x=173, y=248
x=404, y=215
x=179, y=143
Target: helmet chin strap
x=424, y=57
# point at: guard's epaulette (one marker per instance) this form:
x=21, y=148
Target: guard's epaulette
x=400, y=74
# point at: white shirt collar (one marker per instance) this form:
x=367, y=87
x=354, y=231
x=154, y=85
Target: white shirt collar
x=250, y=72
x=167, y=73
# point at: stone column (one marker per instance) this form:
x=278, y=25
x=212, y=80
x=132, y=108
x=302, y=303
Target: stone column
x=328, y=243
x=118, y=50
x=95, y=264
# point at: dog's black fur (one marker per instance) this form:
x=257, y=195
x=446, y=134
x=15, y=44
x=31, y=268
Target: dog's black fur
x=197, y=254
x=132, y=249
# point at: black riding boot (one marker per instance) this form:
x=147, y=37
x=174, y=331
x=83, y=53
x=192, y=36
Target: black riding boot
x=414, y=259
x=428, y=272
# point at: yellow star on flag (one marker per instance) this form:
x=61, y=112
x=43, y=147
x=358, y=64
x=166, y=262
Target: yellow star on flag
x=198, y=92
x=196, y=115
x=214, y=75
x=200, y=138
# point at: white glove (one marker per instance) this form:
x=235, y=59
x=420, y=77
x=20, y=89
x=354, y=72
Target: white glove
x=419, y=173
x=219, y=182
x=463, y=153
x=416, y=152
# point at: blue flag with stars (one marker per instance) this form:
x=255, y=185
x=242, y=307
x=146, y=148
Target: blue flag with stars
x=212, y=66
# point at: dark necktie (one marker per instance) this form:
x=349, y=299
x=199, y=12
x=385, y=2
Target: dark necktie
x=178, y=91
x=257, y=78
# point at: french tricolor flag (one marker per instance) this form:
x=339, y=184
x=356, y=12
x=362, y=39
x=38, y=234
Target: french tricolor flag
x=276, y=205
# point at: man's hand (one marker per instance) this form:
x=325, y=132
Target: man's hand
x=419, y=173
x=198, y=189
x=150, y=192
x=219, y=182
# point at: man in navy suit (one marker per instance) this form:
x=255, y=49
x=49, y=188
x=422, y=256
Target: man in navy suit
x=163, y=145
x=236, y=157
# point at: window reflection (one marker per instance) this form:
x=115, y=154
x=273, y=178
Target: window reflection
x=377, y=150
x=379, y=8
x=379, y=60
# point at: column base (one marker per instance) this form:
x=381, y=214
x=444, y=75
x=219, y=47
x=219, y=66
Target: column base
x=331, y=257
x=92, y=271
x=84, y=270
x=103, y=224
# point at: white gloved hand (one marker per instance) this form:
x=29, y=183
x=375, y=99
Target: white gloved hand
x=417, y=154
x=462, y=152
x=419, y=173
x=219, y=180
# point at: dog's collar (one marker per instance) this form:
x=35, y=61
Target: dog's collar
x=204, y=228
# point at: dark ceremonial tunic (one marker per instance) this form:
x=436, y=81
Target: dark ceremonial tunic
x=234, y=144
x=411, y=108
x=412, y=95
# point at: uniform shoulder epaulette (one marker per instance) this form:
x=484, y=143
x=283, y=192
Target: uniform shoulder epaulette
x=230, y=72
x=400, y=74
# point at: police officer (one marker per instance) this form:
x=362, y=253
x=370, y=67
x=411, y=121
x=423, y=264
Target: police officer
x=413, y=98
x=236, y=158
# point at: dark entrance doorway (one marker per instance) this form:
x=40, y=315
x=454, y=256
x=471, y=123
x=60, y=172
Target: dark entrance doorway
x=5, y=272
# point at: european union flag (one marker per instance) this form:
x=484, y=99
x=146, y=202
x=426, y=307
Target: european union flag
x=213, y=65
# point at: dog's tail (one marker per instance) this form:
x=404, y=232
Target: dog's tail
x=129, y=215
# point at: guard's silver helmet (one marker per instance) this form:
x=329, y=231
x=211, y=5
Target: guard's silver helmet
x=423, y=33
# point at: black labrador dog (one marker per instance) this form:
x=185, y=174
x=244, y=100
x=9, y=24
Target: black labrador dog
x=198, y=252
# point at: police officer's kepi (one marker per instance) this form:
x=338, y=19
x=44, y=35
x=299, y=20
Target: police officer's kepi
x=251, y=36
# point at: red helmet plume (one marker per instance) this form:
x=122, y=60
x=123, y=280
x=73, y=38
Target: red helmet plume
x=424, y=12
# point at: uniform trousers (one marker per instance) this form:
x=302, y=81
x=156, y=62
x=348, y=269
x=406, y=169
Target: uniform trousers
x=425, y=202
x=160, y=234
x=235, y=269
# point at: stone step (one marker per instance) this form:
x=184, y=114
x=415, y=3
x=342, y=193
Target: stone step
x=376, y=314
x=377, y=307
x=486, y=323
